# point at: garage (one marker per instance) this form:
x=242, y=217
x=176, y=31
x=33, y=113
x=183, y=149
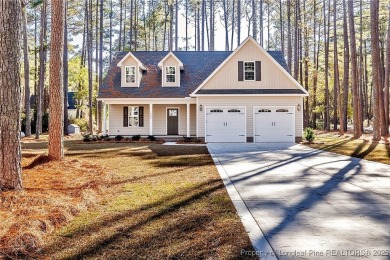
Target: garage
x=225, y=124
x=274, y=124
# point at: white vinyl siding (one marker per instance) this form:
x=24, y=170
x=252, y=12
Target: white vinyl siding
x=115, y=124
x=174, y=78
x=130, y=73
x=271, y=75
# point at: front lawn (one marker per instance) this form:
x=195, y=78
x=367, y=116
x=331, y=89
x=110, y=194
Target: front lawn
x=361, y=148
x=120, y=201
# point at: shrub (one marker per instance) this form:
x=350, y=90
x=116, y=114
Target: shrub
x=88, y=138
x=136, y=137
x=151, y=138
x=118, y=137
x=81, y=122
x=308, y=134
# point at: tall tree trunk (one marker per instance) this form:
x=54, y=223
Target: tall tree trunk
x=296, y=41
x=110, y=48
x=65, y=63
x=289, y=40
x=135, y=27
x=261, y=23
x=198, y=27
x=186, y=15
x=225, y=17
x=362, y=91
x=99, y=105
x=124, y=26
x=171, y=27
x=354, y=73
x=233, y=26
x=212, y=26
x=35, y=58
x=387, y=77
x=26, y=73
x=376, y=82
x=336, y=88
x=10, y=95
x=131, y=24
x=281, y=26
x=89, y=54
x=203, y=22
x=42, y=65
x=238, y=22
x=344, y=123
x=176, y=25
x=56, y=146
x=306, y=63
x=315, y=58
x=120, y=24
x=254, y=20
x=326, y=38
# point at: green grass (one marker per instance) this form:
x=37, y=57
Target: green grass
x=161, y=202
x=359, y=148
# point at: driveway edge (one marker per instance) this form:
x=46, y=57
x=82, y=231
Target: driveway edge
x=262, y=248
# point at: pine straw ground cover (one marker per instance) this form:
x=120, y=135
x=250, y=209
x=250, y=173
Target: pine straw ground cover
x=362, y=147
x=120, y=201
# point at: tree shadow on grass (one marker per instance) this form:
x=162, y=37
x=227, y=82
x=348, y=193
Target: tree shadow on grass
x=107, y=230
x=358, y=153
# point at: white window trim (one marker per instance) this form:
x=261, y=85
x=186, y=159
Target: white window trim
x=254, y=71
x=135, y=74
x=130, y=115
x=166, y=74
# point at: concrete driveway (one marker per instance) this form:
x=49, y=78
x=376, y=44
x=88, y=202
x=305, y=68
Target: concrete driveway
x=308, y=204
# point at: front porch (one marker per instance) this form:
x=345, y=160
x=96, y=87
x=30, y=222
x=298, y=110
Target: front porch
x=150, y=118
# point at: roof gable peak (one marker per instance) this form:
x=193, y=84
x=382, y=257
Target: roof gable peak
x=129, y=54
x=170, y=54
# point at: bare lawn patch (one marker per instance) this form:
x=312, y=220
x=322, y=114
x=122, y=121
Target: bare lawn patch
x=120, y=200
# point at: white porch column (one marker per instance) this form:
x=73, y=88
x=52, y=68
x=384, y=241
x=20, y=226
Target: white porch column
x=104, y=118
x=188, y=120
x=150, y=119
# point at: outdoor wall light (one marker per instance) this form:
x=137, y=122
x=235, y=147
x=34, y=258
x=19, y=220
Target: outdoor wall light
x=200, y=108
x=299, y=107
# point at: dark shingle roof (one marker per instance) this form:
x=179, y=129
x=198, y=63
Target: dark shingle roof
x=248, y=91
x=198, y=65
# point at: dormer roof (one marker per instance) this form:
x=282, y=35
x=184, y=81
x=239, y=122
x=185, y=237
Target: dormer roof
x=170, y=54
x=129, y=54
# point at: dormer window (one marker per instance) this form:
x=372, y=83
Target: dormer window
x=249, y=70
x=170, y=73
x=130, y=74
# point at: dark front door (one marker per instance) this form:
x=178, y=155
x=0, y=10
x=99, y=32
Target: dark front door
x=173, y=121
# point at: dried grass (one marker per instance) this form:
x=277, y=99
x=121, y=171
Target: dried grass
x=54, y=193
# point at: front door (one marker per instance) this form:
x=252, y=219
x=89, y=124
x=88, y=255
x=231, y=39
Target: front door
x=173, y=121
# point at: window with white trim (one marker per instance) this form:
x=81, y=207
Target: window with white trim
x=249, y=70
x=130, y=74
x=170, y=74
x=134, y=116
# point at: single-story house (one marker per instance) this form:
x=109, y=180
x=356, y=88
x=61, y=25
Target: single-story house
x=247, y=95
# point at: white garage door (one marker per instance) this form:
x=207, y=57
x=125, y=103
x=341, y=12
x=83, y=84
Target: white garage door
x=225, y=125
x=274, y=124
